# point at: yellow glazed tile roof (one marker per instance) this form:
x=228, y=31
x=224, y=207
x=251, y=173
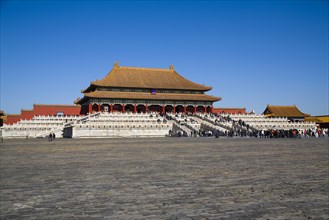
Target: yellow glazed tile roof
x=134, y=77
x=283, y=111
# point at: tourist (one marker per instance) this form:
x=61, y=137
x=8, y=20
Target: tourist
x=50, y=137
x=217, y=134
x=294, y=133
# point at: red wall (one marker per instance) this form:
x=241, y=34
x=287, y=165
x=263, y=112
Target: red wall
x=43, y=110
x=230, y=110
x=12, y=119
x=27, y=114
x=54, y=109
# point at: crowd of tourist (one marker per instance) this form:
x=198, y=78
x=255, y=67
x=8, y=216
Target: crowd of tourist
x=240, y=128
x=275, y=133
x=293, y=133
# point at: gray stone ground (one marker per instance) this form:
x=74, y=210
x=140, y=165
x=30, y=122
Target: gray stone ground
x=165, y=178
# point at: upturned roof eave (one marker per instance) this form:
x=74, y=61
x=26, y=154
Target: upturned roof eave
x=81, y=101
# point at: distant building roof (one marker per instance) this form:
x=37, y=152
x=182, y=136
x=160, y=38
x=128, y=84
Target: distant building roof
x=153, y=78
x=230, y=110
x=318, y=119
x=283, y=111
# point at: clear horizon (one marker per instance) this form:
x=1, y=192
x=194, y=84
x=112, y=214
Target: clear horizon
x=253, y=53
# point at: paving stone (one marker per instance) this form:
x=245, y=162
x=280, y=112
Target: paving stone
x=165, y=178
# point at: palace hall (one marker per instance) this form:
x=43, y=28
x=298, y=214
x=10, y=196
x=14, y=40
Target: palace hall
x=148, y=102
x=134, y=89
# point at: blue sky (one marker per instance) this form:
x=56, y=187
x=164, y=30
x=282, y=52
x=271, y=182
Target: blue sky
x=252, y=53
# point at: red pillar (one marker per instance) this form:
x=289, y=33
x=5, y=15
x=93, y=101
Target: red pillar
x=163, y=109
x=184, y=108
x=99, y=107
x=195, y=109
x=123, y=108
x=205, y=109
x=146, y=108
x=90, y=108
x=135, y=108
x=111, y=108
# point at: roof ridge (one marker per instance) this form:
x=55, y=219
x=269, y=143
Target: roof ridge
x=282, y=105
x=142, y=68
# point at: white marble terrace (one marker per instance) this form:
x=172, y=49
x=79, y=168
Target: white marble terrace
x=117, y=124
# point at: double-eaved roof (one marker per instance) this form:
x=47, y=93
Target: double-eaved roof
x=135, y=78
x=152, y=78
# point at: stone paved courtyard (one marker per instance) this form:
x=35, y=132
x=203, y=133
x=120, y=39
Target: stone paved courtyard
x=165, y=178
